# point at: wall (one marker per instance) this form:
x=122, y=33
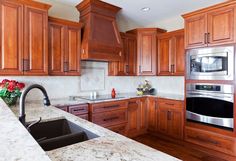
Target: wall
x=60, y=87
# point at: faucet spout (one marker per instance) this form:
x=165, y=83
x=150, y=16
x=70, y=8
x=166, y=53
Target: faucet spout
x=46, y=100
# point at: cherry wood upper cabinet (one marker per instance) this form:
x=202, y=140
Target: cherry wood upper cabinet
x=222, y=25
x=146, y=50
x=64, y=47
x=11, y=31
x=195, y=29
x=127, y=66
x=73, y=53
x=36, y=41
x=171, y=53
x=24, y=38
x=211, y=26
x=56, y=48
x=101, y=39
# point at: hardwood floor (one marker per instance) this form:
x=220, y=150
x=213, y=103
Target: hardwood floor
x=183, y=152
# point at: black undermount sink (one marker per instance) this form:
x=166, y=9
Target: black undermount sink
x=59, y=133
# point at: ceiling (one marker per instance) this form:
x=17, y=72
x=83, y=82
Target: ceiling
x=160, y=10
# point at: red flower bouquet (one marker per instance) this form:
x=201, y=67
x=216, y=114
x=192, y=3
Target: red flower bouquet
x=10, y=91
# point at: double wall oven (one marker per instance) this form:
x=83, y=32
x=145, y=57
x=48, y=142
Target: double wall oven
x=210, y=103
x=206, y=102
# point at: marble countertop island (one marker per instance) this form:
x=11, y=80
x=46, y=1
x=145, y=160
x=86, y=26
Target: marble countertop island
x=18, y=144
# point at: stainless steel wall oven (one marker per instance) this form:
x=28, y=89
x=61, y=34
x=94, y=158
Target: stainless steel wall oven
x=211, y=104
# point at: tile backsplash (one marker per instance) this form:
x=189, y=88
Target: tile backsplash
x=95, y=78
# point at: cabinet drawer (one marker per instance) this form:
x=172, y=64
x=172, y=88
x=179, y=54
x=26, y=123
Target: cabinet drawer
x=85, y=116
x=120, y=129
x=78, y=109
x=110, y=118
x=211, y=140
x=108, y=106
x=64, y=108
x=170, y=103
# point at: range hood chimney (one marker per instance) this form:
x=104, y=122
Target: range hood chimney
x=101, y=39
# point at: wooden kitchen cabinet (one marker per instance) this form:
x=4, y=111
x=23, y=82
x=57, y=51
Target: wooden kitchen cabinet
x=146, y=50
x=35, y=60
x=80, y=110
x=111, y=115
x=137, y=117
x=170, y=117
x=211, y=26
x=152, y=114
x=64, y=47
x=11, y=21
x=171, y=53
x=24, y=40
x=126, y=67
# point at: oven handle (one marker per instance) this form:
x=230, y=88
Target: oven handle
x=221, y=97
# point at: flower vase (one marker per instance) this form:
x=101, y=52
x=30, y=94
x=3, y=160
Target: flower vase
x=10, y=101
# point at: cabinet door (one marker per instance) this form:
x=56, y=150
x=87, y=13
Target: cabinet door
x=147, y=53
x=133, y=118
x=35, y=41
x=195, y=31
x=127, y=66
x=56, y=49
x=163, y=117
x=11, y=40
x=164, y=55
x=131, y=58
x=152, y=114
x=143, y=114
x=122, y=65
x=72, y=54
x=175, y=124
x=179, y=54
x=221, y=26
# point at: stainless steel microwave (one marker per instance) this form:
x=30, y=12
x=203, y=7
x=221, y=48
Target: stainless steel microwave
x=210, y=63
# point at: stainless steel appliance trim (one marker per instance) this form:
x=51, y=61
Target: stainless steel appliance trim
x=217, y=51
x=224, y=97
x=225, y=122
x=224, y=88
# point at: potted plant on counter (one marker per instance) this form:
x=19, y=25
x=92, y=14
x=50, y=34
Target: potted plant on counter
x=10, y=91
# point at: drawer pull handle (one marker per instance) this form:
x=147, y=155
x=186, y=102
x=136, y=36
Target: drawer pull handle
x=170, y=104
x=111, y=118
x=79, y=109
x=114, y=106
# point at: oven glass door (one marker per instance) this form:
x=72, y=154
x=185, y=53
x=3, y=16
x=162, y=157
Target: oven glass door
x=209, y=64
x=210, y=107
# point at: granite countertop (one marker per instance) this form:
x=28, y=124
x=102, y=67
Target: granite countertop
x=122, y=96
x=18, y=144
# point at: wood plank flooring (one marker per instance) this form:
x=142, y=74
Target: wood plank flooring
x=182, y=152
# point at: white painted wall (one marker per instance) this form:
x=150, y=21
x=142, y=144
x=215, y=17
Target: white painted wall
x=61, y=86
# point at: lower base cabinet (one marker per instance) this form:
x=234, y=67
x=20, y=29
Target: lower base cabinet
x=137, y=117
x=80, y=110
x=120, y=129
x=211, y=140
x=166, y=117
x=111, y=115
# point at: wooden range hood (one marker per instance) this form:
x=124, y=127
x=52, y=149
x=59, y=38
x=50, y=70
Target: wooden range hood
x=101, y=39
